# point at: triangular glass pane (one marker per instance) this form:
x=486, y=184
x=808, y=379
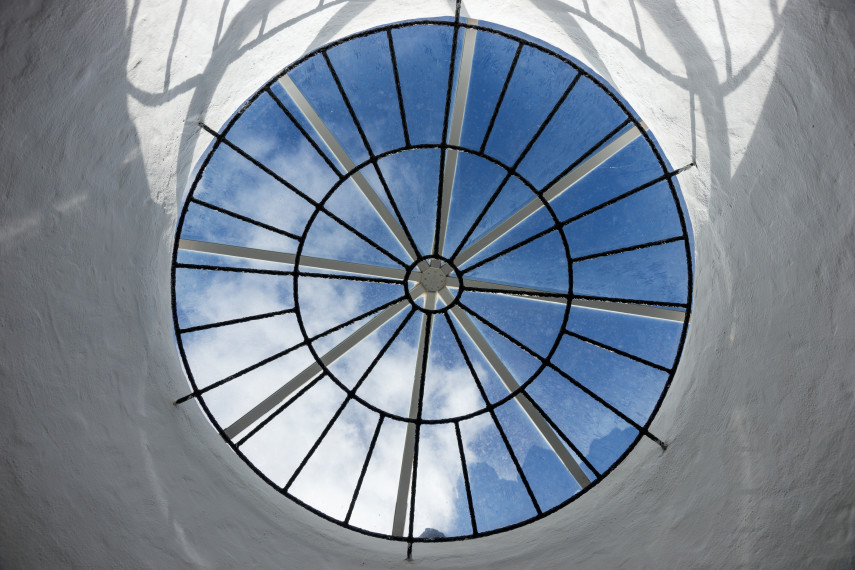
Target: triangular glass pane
x=513, y=196
x=490, y=381
x=390, y=384
x=540, y=264
x=328, y=239
x=536, y=324
x=351, y=367
x=450, y=390
x=350, y=204
x=413, y=179
x=475, y=181
x=519, y=362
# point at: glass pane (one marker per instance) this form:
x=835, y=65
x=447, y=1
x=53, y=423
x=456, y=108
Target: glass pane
x=329, y=478
x=278, y=448
x=498, y=494
x=441, y=505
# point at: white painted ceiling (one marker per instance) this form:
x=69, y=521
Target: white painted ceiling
x=99, y=133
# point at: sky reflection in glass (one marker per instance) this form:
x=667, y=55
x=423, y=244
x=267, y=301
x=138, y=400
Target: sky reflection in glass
x=409, y=390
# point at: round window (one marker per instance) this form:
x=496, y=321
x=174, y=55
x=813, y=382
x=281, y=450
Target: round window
x=432, y=281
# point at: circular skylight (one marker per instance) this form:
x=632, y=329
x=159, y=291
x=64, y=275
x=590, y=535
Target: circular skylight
x=432, y=281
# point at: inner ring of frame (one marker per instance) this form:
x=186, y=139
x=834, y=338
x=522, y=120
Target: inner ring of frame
x=546, y=359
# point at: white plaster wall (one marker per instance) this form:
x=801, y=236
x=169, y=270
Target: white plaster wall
x=98, y=111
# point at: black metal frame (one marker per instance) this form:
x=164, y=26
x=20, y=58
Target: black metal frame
x=221, y=138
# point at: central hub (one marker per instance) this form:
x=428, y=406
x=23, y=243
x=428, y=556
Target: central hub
x=432, y=284
x=433, y=279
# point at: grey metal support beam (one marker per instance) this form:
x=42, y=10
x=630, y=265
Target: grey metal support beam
x=640, y=310
x=290, y=258
x=558, y=188
x=347, y=164
x=406, y=474
x=455, y=129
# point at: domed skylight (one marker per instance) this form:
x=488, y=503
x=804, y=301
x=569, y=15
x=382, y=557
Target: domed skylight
x=432, y=281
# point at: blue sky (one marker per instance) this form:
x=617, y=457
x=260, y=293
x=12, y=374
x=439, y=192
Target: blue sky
x=512, y=470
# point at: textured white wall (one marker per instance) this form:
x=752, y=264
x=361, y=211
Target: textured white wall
x=98, y=135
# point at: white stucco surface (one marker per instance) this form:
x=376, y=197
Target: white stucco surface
x=99, y=105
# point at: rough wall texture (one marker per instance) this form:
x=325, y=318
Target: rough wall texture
x=98, y=135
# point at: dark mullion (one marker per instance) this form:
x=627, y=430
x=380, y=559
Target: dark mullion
x=518, y=161
x=364, y=469
x=235, y=321
x=245, y=219
x=279, y=410
x=424, y=357
x=466, y=359
x=304, y=196
x=347, y=399
x=631, y=301
x=560, y=433
x=617, y=351
x=466, y=483
x=305, y=133
x=501, y=98
x=521, y=293
x=351, y=277
x=439, y=192
x=282, y=353
x=398, y=88
x=572, y=380
x=371, y=154
x=231, y=269
x=630, y=248
x=588, y=153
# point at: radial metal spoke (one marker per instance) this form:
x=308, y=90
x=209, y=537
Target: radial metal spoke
x=290, y=258
x=347, y=164
x=454, y=132
x=507, y=378
x=314, y=369
x=553, y=191
x=408, y=457
x=628, y=308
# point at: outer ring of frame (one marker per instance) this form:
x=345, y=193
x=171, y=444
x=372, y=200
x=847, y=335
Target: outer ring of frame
x=525, y=42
